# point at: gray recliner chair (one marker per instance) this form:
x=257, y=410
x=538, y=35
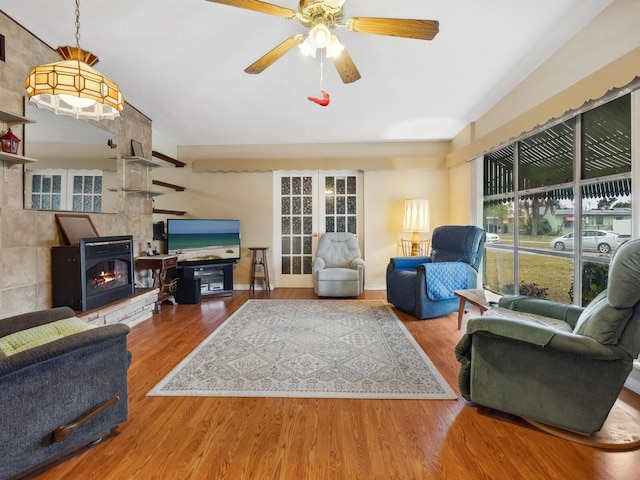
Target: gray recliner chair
x=338, y=269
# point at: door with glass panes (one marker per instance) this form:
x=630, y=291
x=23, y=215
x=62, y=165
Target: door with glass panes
x=308, y=204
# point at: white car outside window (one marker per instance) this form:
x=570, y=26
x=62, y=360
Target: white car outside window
x=601, y=241
x=492, y=238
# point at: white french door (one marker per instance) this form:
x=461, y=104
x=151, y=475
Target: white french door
x=306, y=205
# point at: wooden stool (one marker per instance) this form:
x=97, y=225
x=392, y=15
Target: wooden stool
x=259, y=261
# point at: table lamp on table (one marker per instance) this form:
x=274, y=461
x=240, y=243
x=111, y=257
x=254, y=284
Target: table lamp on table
x=416, y=220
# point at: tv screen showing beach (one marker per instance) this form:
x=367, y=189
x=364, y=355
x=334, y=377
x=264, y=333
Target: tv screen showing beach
x=203, y=240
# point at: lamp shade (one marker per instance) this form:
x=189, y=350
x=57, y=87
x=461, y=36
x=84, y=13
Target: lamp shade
x=71, y=87
x=335, y=48
x=416, y=215
x=320, y=36
x=333, y=3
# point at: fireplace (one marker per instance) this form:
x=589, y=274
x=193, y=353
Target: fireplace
x=95, y=272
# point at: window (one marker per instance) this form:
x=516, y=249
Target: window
x=71, y=190
x=340, y=196
x=569, y=210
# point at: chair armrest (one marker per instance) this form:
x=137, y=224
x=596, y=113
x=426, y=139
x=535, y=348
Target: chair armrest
x=586, y=347
x=24, y=321
x=562, y=311
x=318, y=264
x=357, y=263
x=439, y=280
x=543, y=336
x=63, y=346
x=407, y=263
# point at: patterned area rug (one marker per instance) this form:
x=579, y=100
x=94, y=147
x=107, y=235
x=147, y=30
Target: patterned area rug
x=308, y=349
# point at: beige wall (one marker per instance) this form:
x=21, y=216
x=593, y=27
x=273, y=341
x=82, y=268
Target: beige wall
x=245, y=196
x=26, y=236
x=384, y=196
x=249, y=197
x=459, y=193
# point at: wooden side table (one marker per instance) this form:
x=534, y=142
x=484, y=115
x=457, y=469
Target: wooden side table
x=259, y=261
x=474, y=296
x=158, y=264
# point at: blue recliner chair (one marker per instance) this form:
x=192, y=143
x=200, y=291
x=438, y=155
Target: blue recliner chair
x=423, y=286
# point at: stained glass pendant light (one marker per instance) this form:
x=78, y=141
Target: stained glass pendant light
x=71, y=87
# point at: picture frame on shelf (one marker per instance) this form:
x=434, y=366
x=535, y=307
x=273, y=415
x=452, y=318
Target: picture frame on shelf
x=136, y=148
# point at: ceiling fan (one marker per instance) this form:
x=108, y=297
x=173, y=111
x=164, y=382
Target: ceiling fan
x=322, y=16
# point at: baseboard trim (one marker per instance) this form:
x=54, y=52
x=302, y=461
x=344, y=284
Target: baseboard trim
x=633, y=380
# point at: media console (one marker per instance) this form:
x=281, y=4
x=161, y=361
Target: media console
x=214, y=278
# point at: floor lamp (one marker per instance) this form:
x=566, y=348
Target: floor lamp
x=416, y=220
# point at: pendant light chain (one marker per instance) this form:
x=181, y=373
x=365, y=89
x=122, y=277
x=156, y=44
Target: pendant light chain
x=72, y=87
x=78, y=23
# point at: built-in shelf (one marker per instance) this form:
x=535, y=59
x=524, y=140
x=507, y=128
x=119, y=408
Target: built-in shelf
x=10, y=159
x=149, y=193
x=167, y=158
x=177, y=188
x=142, y=161
x=8, y=119
x=13, y=119
x=169, y=212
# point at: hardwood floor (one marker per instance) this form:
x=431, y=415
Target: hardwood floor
x=284, y=438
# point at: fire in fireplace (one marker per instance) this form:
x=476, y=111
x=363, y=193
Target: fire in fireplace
x=95, y=272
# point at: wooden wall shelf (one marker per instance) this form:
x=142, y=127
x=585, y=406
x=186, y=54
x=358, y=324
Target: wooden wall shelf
x=148, y=193
x=169, y=212
x=177, y=188
x=167, y=158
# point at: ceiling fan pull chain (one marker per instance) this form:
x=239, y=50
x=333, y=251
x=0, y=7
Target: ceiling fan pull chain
x=321, y=68
x=326, y=99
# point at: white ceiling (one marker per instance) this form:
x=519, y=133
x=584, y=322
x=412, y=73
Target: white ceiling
x=181, y=63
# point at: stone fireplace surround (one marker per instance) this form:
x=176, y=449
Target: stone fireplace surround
x=26, y=236
x=130, y=310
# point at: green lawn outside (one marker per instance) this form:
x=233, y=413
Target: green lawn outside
x=553, y=273
x=539, y=271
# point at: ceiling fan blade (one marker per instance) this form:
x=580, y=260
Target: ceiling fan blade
x=262, y=7
x=269, y=58
x=395, y=27
x=346, y=68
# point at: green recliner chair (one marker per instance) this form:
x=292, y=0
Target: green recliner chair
x=560, y=365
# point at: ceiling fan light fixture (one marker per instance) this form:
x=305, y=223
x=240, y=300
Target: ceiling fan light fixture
x=334, y=48
x=320, y=36
x=72, y=87
x=334, y=3
x=307, y=49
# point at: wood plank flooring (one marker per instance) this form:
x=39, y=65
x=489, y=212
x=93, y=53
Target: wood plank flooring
x=333, y=439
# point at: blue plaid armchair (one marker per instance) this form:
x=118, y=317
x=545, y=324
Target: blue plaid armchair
x=423, y=286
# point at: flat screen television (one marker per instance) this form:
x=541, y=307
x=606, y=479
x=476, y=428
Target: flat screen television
x=203, y=240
